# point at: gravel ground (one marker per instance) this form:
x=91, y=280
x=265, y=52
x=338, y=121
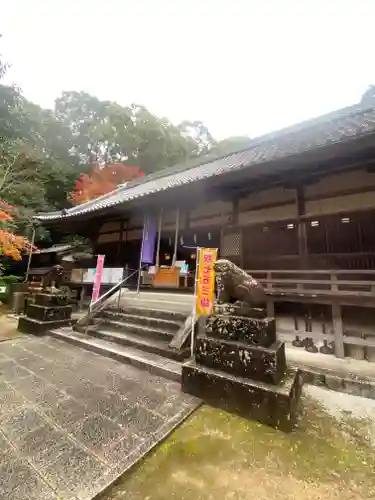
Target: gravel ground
x=341, y=405
x=356, y=414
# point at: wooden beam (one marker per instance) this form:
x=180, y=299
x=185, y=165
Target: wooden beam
x=292, y=178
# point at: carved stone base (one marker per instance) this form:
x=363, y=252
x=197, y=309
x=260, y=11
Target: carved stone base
x=269, y=404
x=239, y=309
x=266, y=364
x=253, y=331
x=239, y=365
x=51, y=299
x=48, y=313
x=37, y=327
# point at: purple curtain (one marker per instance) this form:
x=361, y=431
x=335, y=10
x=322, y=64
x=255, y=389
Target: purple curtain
x=149, y=241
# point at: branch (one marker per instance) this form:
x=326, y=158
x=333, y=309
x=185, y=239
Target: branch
x=10, y=158
x=7, y=171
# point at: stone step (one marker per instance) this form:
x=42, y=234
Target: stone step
x=145, y=318
x=136, y=310
x=140, y=330
x=162, y=296
x=155, y=364
x=154, y=300
x=146, y=344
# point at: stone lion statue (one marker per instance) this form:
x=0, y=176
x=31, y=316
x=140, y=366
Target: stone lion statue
x=56, y=274
x=235, y=285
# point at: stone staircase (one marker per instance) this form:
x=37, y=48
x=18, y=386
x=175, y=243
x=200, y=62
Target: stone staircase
x=140, y=330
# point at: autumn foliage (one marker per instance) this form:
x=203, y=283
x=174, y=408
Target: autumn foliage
x=11, y=245
x=102, y=180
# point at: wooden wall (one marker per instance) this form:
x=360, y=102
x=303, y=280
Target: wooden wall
x=276, y=226
x=333, y=215
x=351, y=191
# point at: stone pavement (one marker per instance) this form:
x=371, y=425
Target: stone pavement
x=8, y=327
x=72, y=421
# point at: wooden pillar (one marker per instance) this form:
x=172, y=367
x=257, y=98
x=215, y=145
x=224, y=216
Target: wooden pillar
x=30, y=254
x=235, y=201
x=338, y=329
x=124, y=234
x=82, y=298
x=119, y=246
x=160, y=226
x=220, y=249
x=270, y=308
x=270, y=302
x=176, y=236
x=221, y=235
x=301, y=226
x=140, y=255
x=302, y=239
x=235, y=211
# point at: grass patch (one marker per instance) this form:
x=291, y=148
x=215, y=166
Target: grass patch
x=216, y=455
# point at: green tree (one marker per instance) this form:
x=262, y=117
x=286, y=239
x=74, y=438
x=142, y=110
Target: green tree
x=85, y=116
x=36, y=159
x=105, y=132
x=44, y=152
x=3, y=65
x=160, y=144
x=199, y=136
x=230, y=145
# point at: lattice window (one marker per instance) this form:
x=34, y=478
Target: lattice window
x=231, y=244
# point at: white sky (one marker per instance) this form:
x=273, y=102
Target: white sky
x=241, y=66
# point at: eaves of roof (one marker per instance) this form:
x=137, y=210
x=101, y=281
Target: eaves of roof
x=332, y=128
x=54, y=249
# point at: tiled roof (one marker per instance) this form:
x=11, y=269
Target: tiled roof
x=334, y=127
x=54, y=249
x=39, y=271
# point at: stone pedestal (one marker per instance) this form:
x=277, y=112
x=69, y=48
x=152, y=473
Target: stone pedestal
x=49, y=311
x=240, y=366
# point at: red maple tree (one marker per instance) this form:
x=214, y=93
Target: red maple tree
x=102, y=180
x=11, y=245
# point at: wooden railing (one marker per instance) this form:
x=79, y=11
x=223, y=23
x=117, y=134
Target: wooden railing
x=335, y=288
x=325, y=261
x=347, y=287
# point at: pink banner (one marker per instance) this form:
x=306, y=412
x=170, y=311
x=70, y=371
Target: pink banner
x=98, y=278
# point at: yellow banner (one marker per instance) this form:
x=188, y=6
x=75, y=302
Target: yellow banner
x=205, y=285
